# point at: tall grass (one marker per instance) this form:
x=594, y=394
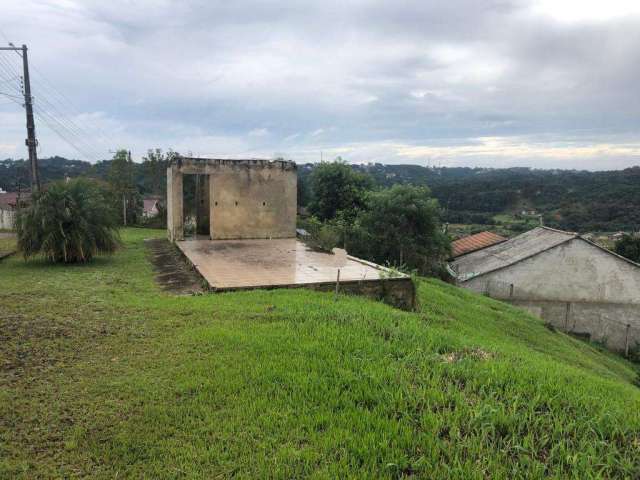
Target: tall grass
x=106, y=376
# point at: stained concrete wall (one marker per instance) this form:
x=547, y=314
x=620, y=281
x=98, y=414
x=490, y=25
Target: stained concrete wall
x=611, y=324
x=575, y=286
x=397, y=292
x=247, y=198
x=7, y=219
x=253, y=200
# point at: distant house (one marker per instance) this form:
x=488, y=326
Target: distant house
x=564, y=278
x=151, y=207
x=9, y=202
x=473, y=243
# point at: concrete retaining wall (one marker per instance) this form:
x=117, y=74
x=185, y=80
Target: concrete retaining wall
x=397, y=292
x=617, y=326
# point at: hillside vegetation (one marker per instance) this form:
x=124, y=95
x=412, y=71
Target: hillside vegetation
x=104, y=375
x=573, y=200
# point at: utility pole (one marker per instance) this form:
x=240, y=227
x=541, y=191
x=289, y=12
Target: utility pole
x=31, y=141
x=124, y=192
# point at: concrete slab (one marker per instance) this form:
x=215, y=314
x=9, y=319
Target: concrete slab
x=237, y=264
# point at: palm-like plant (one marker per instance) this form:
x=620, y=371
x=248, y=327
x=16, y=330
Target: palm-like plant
x=68, y=222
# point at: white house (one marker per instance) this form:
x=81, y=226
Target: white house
x=564, y=278
x=8, y=205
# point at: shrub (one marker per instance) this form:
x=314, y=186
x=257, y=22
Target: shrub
x=67, y=222
x=321, y=236
x=629, y=247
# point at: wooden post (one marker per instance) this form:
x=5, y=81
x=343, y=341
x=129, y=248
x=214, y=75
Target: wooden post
x=337, y=284
x=626, y=341
x=511, y=290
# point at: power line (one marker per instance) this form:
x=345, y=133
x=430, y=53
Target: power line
x=61, y=119
x=61, y=133
x=60, y=111
x=57, y=96
x=57, y=126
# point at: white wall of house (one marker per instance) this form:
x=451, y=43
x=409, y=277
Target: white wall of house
x=7, y=218
x=575, y=286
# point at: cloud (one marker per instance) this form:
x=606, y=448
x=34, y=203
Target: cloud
x=501, y=82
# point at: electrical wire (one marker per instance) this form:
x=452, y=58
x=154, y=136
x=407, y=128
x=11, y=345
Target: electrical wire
x=62, y=134
x=69, y=135
x=57, y=111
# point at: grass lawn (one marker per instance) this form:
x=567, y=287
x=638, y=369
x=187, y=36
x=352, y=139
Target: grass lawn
x=104, y=375
x=7, y=243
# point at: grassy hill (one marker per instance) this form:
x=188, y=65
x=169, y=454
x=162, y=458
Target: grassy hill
x=104, y=375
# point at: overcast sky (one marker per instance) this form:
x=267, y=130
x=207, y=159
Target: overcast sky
x=546, y=84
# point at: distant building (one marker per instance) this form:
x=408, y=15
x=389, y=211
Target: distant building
x=474, y=243
x=151, y=207
x=9, y=202
x=564, y=278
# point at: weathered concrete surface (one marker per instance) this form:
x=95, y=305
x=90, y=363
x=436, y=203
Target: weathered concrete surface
x=576, y=286
x=247, y=198
x=573, y=271
x=605, y=323
x=288, y=263
x=397, y=292
x=253, y=200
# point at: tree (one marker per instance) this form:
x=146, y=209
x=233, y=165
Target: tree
x=336, y=187
x=154, y=167
x=401, y=226
x=121, y=177
x=628, y=247
x=67, y=222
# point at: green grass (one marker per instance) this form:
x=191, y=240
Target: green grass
x=7, y=244
x=104, y=375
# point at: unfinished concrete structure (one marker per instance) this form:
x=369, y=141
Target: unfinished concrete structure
x=563, y=278
x=241, y=198
x=250, y=208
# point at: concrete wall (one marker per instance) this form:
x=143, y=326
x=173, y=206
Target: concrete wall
x=7, y=218
x=575, y=286
x=608, y=323
x=175, y=220
x=247, y=198
x=253, y=200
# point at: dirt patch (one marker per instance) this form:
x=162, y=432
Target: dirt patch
x=471, y=353
x=173, y=273
x=33, y=346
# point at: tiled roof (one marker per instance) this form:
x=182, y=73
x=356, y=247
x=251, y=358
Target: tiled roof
x=149, y=204
x=475, y=242
x=507, y=253
x=8, y=200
